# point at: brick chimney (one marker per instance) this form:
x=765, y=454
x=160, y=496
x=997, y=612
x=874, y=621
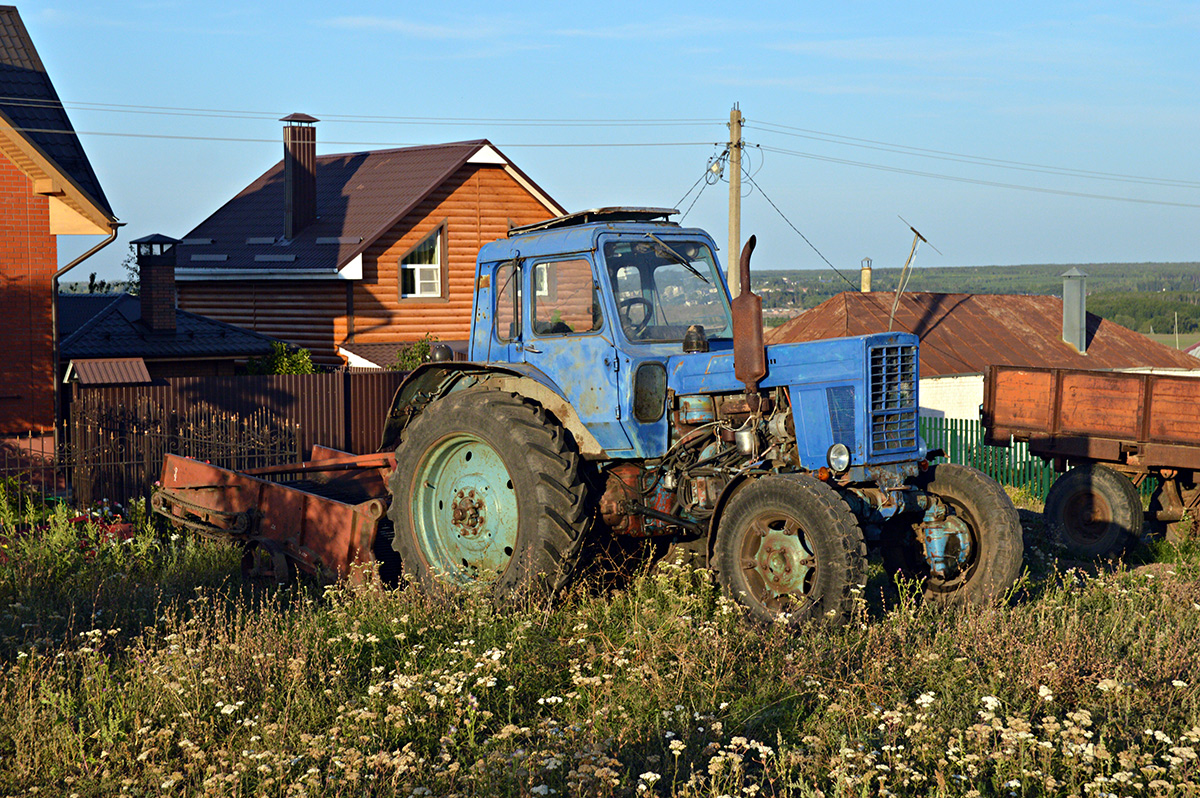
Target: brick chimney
x=299, y=173
x=156, y=268
x=1074, y=330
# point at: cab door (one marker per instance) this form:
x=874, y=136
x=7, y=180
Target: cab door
x=566, y=338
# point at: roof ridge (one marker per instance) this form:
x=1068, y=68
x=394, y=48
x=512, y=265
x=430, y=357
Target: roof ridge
x=94, y=321
x=411, y=147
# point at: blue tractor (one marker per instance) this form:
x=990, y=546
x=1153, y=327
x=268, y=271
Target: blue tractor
x=614, y=388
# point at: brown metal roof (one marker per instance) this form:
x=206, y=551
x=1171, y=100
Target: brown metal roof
x=109, y=371
x=360, y=196
x=966, y=333
x=115, y=330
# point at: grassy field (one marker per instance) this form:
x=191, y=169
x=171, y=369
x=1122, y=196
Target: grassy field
x=1169, y=339
x=146, y=667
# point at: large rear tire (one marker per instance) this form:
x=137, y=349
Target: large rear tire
x=487, y=491
x=1092, y=511
x=997, y=550
x=788, y=548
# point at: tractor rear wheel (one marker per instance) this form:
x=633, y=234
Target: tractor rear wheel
x=1092, y=511
x=788, y=548
x=487, y=491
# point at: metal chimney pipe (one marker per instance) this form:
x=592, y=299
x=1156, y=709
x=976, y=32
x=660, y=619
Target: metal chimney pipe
x=865, y=276
x=299, y=173
x=1074, y=330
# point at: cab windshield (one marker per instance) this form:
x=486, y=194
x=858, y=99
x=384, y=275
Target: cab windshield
x=662, y=286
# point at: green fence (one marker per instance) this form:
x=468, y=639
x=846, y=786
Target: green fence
x=962, y=441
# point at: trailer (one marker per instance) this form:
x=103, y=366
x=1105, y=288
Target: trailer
x=1107, y=432
x=323, y=516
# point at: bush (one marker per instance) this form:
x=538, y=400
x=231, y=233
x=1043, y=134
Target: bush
x=414, y=354
x=283, y=359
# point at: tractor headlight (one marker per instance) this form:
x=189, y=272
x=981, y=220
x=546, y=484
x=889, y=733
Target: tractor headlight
x=838, y=458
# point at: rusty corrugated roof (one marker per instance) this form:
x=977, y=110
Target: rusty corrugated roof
x=360, y=196
x=109, y=371
x=966, y=333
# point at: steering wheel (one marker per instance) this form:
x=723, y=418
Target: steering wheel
x=626, y=305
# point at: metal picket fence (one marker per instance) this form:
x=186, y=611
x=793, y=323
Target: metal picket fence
x=962, y=441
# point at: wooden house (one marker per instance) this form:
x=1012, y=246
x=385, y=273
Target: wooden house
x=47, y=189
x=363, y=249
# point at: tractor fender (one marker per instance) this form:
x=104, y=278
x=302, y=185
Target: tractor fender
x=430, y=381
x=735, y=484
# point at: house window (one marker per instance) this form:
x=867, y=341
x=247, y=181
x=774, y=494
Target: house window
x=421, y=270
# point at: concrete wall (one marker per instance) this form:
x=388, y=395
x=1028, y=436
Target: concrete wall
x=952, y=397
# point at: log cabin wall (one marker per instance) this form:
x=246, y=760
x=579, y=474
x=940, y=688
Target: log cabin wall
x=477, y=204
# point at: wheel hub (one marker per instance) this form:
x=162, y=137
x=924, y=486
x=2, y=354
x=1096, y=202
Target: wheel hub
x=782, y=562
x=1088, y=515
x=468, y=513
x=464, y=509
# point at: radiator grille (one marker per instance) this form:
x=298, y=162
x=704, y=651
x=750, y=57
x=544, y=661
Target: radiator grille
x=893, y=374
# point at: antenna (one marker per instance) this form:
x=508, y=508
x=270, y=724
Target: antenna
x=905, y=274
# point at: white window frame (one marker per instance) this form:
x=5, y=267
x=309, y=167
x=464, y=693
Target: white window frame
x=426, y=277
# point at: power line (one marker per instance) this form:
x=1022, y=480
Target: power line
x=903, y=149
x=216, y=113
x=974, y=181
x=352, y=143
x=797, y=229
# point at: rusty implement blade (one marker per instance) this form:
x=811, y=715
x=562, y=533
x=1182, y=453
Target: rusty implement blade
x=328, y=537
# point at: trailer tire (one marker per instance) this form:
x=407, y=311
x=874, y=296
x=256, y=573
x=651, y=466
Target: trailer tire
x=995, y=530
x=788, y=549
x=1092, y=511
x=488, y=492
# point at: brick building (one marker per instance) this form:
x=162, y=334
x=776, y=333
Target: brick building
x=47, y=189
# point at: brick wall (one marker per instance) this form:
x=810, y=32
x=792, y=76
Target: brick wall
x=28, y=260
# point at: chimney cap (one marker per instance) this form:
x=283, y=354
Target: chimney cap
x=1073, y=272
x=155, y=238
x=299, y=118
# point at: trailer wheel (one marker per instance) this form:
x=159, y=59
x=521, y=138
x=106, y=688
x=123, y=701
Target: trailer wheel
x=487, y=491
x=995, y=529
x=788, y=548
x=1092, y=511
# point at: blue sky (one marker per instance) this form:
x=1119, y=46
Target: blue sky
x=1018, y=133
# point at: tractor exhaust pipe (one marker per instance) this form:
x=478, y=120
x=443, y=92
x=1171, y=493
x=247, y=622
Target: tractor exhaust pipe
x=749, y=351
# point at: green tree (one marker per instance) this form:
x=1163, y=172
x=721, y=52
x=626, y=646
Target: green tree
x=283, y=359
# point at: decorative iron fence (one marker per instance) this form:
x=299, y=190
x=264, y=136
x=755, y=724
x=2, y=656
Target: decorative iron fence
x=115, y=452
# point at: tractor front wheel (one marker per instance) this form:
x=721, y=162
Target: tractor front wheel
x=788, y=548
x=487, y=491
x=996, y=548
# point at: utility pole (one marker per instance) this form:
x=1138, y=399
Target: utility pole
x=735, y=201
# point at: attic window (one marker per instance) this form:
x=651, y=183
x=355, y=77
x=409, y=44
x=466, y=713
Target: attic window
x=422, y=269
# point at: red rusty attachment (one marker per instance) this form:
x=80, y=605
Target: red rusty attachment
x=327, y=526
x=749, y=352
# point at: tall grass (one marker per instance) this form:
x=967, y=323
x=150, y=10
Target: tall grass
x=147, y=668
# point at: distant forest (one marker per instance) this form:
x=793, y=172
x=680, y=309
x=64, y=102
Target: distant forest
x=1142, y=296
